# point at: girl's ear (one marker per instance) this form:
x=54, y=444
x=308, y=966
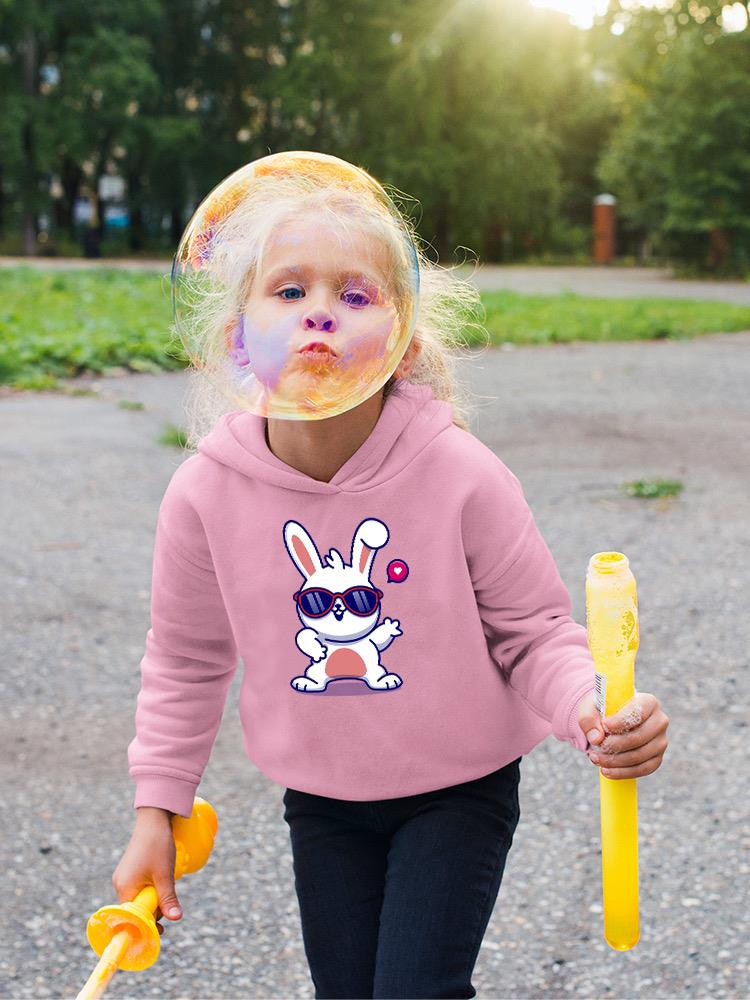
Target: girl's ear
x=229, y=332
x=406, y=363
x=234, y=341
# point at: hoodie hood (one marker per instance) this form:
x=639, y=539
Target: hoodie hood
x=410, y=419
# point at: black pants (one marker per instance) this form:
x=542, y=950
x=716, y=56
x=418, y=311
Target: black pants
x=395, y=895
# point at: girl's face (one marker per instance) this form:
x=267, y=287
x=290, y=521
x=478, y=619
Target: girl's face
x=320, y=315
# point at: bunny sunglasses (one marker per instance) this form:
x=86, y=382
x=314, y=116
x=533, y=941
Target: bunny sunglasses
x=317, y=601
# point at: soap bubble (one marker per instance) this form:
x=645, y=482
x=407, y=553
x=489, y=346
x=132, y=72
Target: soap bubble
x=295, y=286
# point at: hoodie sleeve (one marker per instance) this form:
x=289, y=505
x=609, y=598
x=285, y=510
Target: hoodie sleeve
x=524, y=604
x=188, y=665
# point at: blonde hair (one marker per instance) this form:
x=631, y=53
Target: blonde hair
x=212, y=298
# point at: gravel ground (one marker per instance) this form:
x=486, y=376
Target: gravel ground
x=82, y=481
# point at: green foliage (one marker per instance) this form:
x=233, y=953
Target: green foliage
x=498, y=121
x=648, y=488
x=173, y=436
x=543, y=319
x=680, y=157
x=58, y=324
x=484, y=111
x=494, y=123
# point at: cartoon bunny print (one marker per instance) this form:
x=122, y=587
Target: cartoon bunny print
x=339, y=609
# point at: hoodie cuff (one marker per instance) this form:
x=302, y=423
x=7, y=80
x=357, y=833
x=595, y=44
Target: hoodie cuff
x=576, y=735
x=165, y=792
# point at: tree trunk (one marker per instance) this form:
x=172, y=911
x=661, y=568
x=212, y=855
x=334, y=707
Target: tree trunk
x=135, y=211
x=718, y=248
x=441, y=231
x=492, y=249
x=70, y=179
x=30, y=194
x=176, y=225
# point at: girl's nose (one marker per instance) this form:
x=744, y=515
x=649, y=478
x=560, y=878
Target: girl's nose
x=319, y=319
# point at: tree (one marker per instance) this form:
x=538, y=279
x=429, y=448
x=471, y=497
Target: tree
x=677, y=176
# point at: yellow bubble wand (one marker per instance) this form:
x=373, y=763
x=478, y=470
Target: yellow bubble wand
x=125, y=935
x=612, y=628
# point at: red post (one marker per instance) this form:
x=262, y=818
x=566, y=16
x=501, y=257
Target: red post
x=604, y=228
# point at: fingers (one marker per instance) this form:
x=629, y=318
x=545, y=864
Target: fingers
x=638, y=736
x=633, y=713
x=629, y=758
x=167, y=900
x=126, y=895
x=126, y=891
x=169, y=905
x=637, y=741
x=641, y=707
x=647, y=767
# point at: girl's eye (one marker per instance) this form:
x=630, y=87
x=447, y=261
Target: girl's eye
x=353, y=297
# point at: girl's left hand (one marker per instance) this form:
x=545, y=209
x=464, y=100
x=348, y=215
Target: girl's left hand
x=630, y=743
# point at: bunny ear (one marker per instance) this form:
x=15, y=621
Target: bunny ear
x=370, y=536
x=302, y=549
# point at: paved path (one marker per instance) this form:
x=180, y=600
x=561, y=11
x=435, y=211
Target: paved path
x=606, y=282
x=82, y=480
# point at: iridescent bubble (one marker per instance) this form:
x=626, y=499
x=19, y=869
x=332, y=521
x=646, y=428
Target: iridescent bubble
x=295, y=286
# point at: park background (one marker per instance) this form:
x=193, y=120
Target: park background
x=499, y=123
x=502, y=118
x=616, y=391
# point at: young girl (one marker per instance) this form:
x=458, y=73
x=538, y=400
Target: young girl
x=405, y=633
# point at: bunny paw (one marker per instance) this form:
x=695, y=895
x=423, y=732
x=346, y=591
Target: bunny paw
x=387, y=682
x=305, y=684
x=393, y=626
x=319, y=653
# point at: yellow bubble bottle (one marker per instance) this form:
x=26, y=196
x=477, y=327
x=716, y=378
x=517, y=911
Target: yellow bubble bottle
x=125, y=935
x=612, y=628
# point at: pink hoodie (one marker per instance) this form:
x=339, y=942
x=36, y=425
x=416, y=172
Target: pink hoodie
x=468, y=660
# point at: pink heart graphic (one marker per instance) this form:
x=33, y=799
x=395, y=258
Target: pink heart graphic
x=397, y=571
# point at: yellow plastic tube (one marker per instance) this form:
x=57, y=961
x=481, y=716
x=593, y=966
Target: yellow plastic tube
x=612, y=628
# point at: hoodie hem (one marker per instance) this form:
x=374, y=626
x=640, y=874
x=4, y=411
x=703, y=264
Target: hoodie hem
x=309, y=789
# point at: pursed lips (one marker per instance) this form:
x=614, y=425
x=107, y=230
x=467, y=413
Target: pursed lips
x=318, y=347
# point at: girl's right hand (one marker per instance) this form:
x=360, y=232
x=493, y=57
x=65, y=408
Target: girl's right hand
x=149, y=859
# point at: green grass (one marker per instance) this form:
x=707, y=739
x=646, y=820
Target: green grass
x=174, y=436
x=59, y=323
x=654, y=488
x=56, y=324
x=544, y=319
